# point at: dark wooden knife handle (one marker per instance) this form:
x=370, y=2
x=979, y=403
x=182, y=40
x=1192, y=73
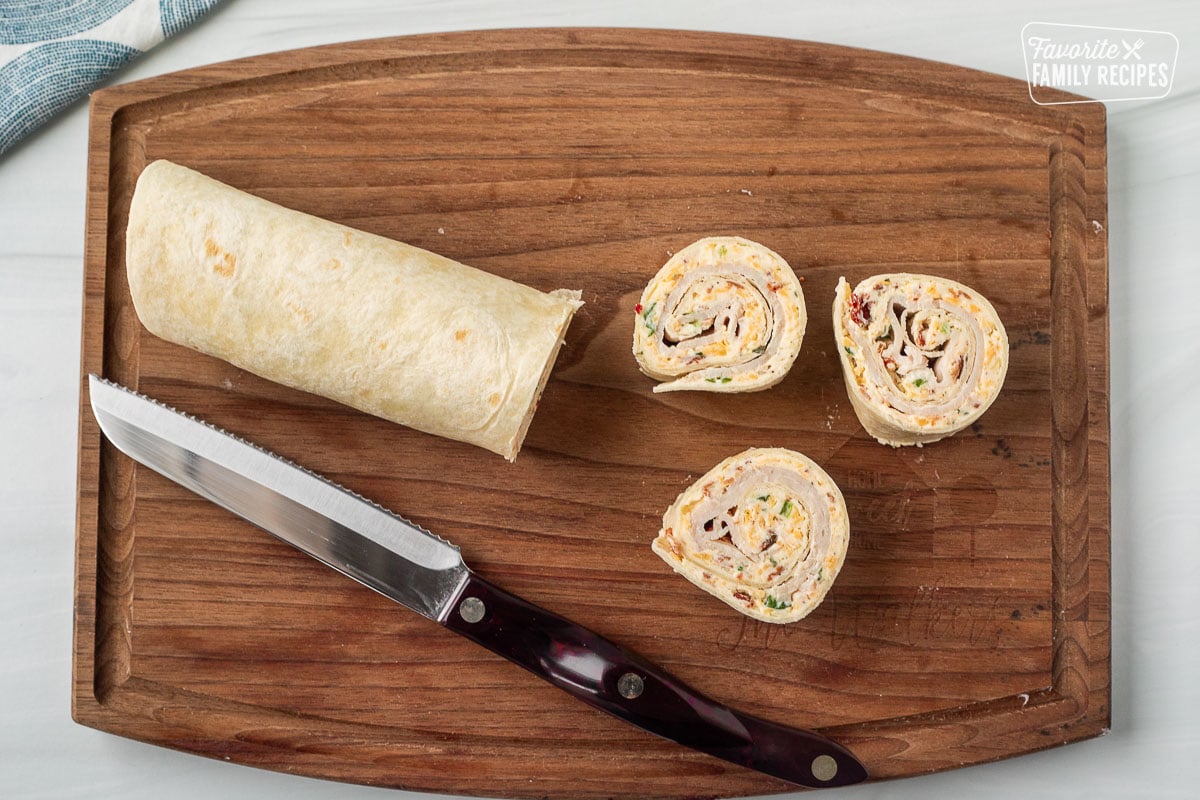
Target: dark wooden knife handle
x=613, y=679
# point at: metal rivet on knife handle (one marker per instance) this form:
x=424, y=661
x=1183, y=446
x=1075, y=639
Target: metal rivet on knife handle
x=471, y=609
x=824, y=768
x=630, y=685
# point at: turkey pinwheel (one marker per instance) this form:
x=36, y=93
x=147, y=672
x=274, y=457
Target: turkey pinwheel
x=923, y=357
x=724, y=314
x=765, y=531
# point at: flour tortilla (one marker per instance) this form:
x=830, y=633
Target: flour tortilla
x=381, y=326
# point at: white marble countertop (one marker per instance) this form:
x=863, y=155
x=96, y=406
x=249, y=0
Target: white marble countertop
x=1153, y=749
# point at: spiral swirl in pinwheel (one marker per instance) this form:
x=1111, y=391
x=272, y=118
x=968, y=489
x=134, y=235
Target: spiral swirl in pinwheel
x=724, y=314
x=923, y=357
x=765, y=531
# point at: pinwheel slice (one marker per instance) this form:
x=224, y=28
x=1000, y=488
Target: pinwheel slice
x=724, y=314
x=765, y=531
x=923, y=357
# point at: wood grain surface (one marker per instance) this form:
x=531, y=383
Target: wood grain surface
x=971, y=619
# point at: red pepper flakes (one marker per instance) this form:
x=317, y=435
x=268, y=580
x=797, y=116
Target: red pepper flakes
x=638, y=308
x=774, y=287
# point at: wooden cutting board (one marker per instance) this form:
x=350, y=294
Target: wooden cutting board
x=971, y=620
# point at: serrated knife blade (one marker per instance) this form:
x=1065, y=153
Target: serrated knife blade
x=353, y=535
x=425, y=573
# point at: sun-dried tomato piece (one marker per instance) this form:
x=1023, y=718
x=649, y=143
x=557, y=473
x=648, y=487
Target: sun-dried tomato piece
x=860, y=310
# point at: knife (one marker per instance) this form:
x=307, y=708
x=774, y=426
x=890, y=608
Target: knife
x=425, y=573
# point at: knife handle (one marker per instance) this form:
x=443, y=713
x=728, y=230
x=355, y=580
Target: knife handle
x=613, y=679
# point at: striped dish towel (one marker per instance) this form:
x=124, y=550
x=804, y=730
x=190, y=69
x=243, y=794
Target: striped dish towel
x=54, y=51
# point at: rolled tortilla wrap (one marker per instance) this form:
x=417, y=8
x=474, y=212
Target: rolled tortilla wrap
x=765, y=531
x=923, y=357
x=381, y=326
x=724, y=314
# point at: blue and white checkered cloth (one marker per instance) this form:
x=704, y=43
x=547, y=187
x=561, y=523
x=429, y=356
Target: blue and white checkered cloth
x=54, y=51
